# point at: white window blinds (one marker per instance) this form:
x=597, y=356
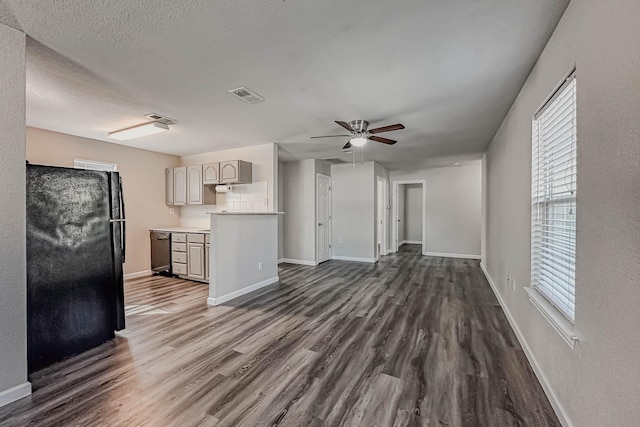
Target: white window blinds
x=553, y=200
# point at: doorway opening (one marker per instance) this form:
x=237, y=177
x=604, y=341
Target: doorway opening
x=410, y=215
x=323, y=218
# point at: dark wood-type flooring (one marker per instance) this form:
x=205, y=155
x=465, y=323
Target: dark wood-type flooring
x=409, y=341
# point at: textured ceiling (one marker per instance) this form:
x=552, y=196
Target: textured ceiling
x=448, y=70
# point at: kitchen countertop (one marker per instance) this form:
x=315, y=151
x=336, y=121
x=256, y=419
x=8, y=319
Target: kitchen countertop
x=181, y=230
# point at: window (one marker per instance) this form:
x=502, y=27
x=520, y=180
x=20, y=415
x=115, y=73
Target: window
x=553, y=200
x=94, y=165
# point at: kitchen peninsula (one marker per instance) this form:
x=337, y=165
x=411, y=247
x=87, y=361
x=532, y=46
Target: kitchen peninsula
x=244, y=253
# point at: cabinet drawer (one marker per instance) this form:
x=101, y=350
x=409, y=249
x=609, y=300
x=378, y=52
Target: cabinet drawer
x=207, y=238
x=175, y=237
x=195, y=238
x=180, y=269
x=179, y=247
x=180, y=257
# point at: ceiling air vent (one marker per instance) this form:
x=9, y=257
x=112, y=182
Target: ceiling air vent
x=160, y=118
x=246, y=95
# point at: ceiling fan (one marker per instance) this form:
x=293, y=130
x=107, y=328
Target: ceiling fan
x=359, y=133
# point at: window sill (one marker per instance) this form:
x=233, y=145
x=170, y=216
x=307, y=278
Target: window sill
x=566, y=330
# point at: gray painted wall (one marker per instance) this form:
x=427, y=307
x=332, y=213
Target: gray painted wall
x=238, y=244
x=13, y=306
x=323, y=167
x=597, y=383
x=280, y=209
x=353, y=210
x=454, y=207
x=299, y=207
x=413, y=212
x=299, y=222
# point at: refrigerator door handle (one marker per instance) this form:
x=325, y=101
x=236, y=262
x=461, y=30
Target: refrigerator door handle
x=123, y=224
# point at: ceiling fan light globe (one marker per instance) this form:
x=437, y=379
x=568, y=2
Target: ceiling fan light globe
x=358, y=141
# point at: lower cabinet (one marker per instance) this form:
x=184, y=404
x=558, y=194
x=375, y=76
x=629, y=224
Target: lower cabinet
x=195, y=266
x=180, y=269
x=190, y=256
x=179, y=254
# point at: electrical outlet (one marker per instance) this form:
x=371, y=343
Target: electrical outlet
x=260, y=266
x=339, y=239
x=508, y=280
x=171, y=211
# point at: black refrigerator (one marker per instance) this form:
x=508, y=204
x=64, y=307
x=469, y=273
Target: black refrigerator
x=75, y=251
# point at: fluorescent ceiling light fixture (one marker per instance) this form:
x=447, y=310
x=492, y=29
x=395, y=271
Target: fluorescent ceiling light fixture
x=139, y=131
x=358, y=141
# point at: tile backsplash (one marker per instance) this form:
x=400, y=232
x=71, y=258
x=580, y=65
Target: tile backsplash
x=252, y=197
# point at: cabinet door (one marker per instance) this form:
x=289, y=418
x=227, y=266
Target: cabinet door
x=211, y=172
x=207, y=251
x=229, y=172
x=194, y=185
x=180, y=186
x=168, y=186
x=235, y=172
x=195, y=260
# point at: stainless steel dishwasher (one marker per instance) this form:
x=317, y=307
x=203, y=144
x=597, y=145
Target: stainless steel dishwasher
x=161, y=252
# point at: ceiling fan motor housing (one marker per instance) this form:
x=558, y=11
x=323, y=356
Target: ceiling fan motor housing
x=359, y=126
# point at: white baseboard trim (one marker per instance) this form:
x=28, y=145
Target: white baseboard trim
x=410, y=242
x=243, y=291
x=551, y=395
x=447, y=255
x=137, y=274
x=297, y=261
x=355, y=259
x=15, y=393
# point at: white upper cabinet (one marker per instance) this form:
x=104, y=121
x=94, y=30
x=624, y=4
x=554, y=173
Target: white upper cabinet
x=235, y=172
x=211, y=172
x=180, y=186
x=184, y=186
x=194, y=185
x=168, y=186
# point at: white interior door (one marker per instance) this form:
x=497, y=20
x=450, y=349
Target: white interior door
x=381, y=232
x=396, y=218
x=323, y=217
x=387, y=218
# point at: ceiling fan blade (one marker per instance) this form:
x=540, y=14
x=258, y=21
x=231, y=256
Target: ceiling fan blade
x=328, y=136
x=347, y=146
x=345, y=125
x=389, y=128
x=383, y=140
